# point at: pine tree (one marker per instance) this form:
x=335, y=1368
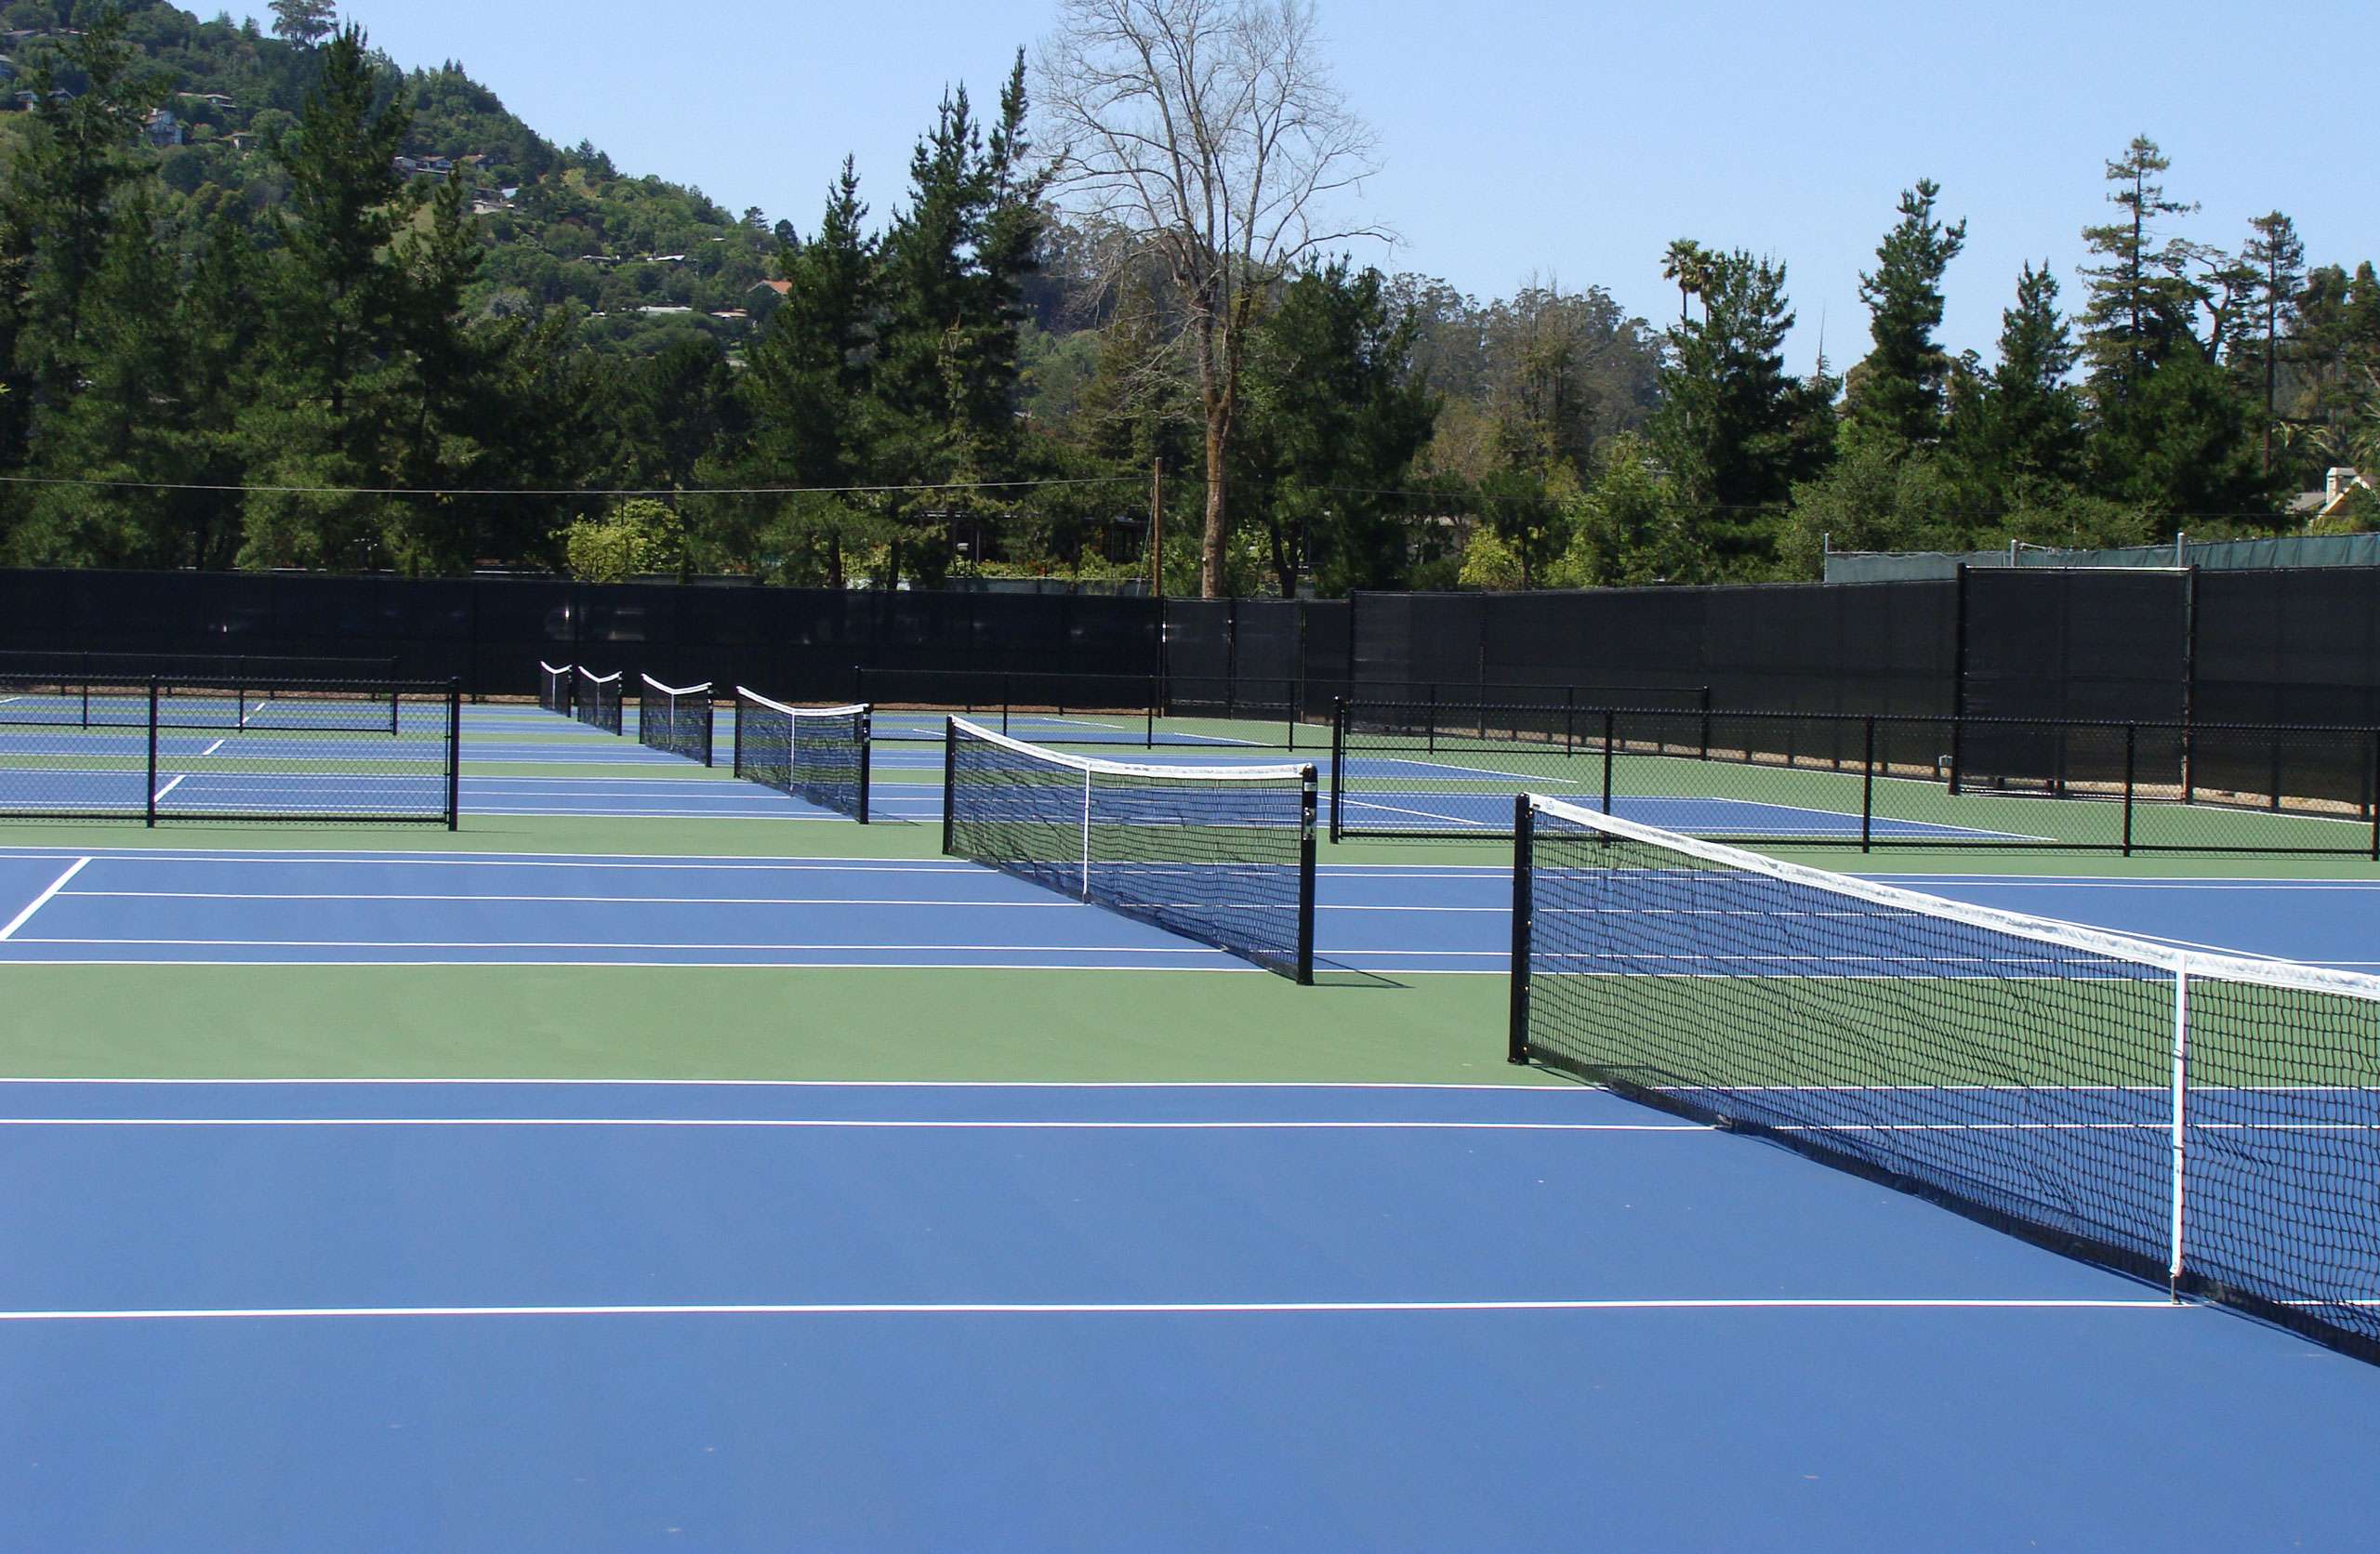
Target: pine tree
x=1899, y=394
x=333, y=402
x=58, y=210
x=2028, y=418
x=304, y=22
x=805, y=380
x=1735, y=429
x=951, y=290
x=2276, y=257
x=2141, y=299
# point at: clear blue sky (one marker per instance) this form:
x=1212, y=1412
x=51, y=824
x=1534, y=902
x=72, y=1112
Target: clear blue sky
x=1570, y=142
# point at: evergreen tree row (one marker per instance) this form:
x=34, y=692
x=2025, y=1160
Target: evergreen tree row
x=332, y=364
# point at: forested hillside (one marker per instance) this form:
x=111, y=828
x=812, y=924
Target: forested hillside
x=269, y=300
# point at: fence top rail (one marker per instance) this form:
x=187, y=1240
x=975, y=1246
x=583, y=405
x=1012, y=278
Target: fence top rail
x=232, y=682
x=1354, y=706
x=2121, y=948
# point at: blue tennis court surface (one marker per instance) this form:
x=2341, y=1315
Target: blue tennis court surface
x=410, y=908
x=489, y=1313
x=599, y=1316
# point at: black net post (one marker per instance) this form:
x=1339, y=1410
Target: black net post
x=454, y=750
x=866, y=758
x=1305, y=882
x=1432, y=743
x=710, y=730
x=396, y=701
x=1704, y=753
x=1610, y=725
x=1149, y=728
x=949, y=780
x=149, y=803
x=738, y=747
x=1517, y=1037
x=1339, y=772
x=87, y=699
x=1867, y=783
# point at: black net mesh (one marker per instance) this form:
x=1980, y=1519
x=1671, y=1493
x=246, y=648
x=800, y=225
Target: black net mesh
x=1223, y=855
x=293, y=750
x=2023, y=1072
x=818, y=755
x=595, y=700
x=674, y=717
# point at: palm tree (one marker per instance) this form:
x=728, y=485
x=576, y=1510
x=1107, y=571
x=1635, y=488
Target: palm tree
x=1687, y=265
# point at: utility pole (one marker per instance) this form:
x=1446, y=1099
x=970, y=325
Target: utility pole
x=1157, y=527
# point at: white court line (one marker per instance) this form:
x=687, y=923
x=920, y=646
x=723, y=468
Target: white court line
x=170, y=788
x=516, y=965
x=211, y=748
x=1027, y=1124
x=21, y=919
x=503, y=946
x=1093, y=1308
x=1424, y=814
x=1327, y=1085
x=681, y=901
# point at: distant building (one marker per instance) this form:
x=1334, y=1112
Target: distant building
x=2340, y=482
x=164, y=130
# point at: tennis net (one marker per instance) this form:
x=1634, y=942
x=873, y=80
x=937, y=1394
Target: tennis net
x=674, y=717
x=554, y=687
x=595, y=700
x=2211, y=1122
x=818, y=755
x=1221, y=854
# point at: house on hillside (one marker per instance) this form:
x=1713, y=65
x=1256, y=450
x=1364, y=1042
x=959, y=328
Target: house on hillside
x=164, y=130
x=438, y=169
x=783, y=288
x=2340, y=482
x=214, y=100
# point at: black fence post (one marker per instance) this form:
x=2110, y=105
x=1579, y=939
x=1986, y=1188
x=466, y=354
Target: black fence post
x=1432, y=746
x=2131, y=741
x=1150, y=734
x=1524, y=839
x=396, y=700
x=1569, y=719
x=1338, y=767
x=152, y=803
x=1705, y=700
x=1610, y=720
x=453, y=755
x=1867, y=783
x=2371, y=790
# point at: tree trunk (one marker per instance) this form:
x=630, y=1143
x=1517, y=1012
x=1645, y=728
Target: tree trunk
x=1210, y=554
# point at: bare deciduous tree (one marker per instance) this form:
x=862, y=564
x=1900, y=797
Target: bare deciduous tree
x=1209, y=131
